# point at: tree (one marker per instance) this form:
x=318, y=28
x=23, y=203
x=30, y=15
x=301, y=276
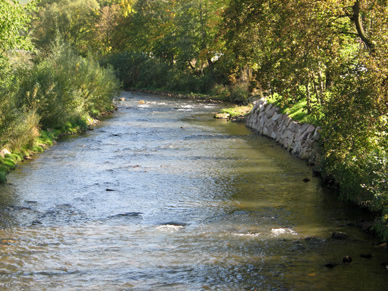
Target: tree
x=334, y=55
x=73, y=20
x=14, y=24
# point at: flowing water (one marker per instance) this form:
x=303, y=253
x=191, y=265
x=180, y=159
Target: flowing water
x=163, y=197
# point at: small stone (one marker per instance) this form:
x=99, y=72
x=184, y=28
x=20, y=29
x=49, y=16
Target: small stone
x=4, y=152
x=347, y=259
x=312, y=239
x=339, y=235
x=366, y=226
x=109, y=190
x=306, y=180
x=222, y=116
x=366, y=256
x=317, y=173
x=330, y=265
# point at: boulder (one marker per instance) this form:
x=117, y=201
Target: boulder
x=347, y=259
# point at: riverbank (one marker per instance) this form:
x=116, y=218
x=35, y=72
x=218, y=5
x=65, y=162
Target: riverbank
x=44, y=139
x=193, y=96
x=302, y=140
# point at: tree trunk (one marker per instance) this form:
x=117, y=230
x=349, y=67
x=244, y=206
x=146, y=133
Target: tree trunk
x=360, y=28
x=308, y=97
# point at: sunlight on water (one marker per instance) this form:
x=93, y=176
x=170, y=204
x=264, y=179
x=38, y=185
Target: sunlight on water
x=163, y=197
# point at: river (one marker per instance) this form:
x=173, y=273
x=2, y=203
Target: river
x=161, y=196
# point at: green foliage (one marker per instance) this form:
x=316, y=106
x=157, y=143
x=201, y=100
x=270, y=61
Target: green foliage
x=239, y=94
x=221, y=90
x=73, y=20
x=66, y=88
x=3, y=177
x=322, y=62
x=13, y=36
x=236, y=111
x=137, y=70
x=296, y=109
x=14, y=22
x=7, y=164
x=127, y=66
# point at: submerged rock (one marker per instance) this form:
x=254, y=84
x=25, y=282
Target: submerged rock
x=366, y=256
x=18, y=208
x=347, y=259
x=330, y=265
x=128, y=214
x=313, y=239
x=174, y=223
x=366, y=226
x=339, y=235
x=222, y=116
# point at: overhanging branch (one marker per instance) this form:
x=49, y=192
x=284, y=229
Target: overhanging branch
x=360, y=28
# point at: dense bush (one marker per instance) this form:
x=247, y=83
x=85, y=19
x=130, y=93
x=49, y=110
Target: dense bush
x=239, y=94
x=17, y=127
x=67, y=88
x=355, y=143
x=127, y=66
x=63, y=91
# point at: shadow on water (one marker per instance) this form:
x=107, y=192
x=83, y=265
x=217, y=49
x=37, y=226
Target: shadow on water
x=163, y=197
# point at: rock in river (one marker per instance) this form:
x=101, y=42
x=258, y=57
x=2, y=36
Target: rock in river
x=339, y=235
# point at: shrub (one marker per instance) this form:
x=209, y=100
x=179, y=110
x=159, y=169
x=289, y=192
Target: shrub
x=67, y=88
x=355, y=145
x=239, y=94
x=127, y=67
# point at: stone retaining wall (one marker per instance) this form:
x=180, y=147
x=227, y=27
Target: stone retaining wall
x=297, y=138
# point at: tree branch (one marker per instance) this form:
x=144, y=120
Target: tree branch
x=360, y=28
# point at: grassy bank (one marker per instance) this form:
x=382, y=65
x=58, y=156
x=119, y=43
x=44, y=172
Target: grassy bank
x=45, y=97
x=10, y=160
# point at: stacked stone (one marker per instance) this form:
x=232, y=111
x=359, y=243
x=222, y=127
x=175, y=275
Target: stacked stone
x=297, y=138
